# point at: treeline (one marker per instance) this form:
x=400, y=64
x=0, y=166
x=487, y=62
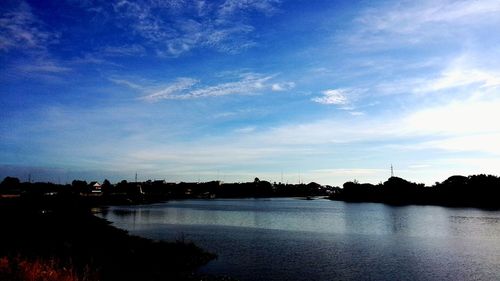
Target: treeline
x=157, y=190
x=472, y=191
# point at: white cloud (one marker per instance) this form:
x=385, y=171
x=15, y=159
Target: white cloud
x=487, y=143
x=333, y=96
x=278, y=87
x=460, y=77
x=462, y=117
x=461, y=126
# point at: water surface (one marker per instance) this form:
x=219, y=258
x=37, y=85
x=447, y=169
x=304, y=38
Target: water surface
x=293, y=239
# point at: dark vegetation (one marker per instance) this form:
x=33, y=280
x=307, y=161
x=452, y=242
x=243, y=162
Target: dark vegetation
x=52, y=239
x=48, y=233
x=481, y=191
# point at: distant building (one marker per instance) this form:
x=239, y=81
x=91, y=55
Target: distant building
x=93, y=189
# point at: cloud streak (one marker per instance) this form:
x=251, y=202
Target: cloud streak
x=186, y=88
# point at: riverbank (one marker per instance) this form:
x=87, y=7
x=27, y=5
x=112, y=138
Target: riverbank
x=67, y=239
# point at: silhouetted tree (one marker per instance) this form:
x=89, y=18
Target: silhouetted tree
x=80, y=186
x=10, y=182
x=106, y=187
x=10, y=185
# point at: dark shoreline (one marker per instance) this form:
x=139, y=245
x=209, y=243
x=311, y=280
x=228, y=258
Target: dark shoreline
x=67, y=235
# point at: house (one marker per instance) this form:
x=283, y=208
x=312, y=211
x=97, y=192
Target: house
x=95, y=187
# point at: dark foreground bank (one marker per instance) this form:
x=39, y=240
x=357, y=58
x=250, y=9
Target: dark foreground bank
x=64, y=241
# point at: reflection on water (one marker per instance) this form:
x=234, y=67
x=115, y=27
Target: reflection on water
x=290, y=239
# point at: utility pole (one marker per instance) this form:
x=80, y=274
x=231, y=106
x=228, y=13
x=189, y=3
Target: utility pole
x=136, y=177
x=392, y=171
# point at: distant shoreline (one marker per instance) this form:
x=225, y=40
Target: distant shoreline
x=480, y=191
x=476, y=191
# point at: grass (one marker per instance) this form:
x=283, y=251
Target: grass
x=18, y=268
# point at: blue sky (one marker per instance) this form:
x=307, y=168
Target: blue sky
x=186, y=90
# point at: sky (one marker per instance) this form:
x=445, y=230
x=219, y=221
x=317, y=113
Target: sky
x=284, y=90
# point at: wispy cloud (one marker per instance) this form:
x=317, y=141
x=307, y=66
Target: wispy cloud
x=21, y=30
x=230, y=7
x=184, y=88
x=357, y=113
x=409, y=17
x=173, y=90
x=285, y=86
x=124, y=50
x=333, y=96
x=42, y=66
x=222, y=26
x=245, y=130
x=459, y=74
x=459, y=77
x=414, y=22
x=127, y=83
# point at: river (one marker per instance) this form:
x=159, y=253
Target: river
x=292, y=239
